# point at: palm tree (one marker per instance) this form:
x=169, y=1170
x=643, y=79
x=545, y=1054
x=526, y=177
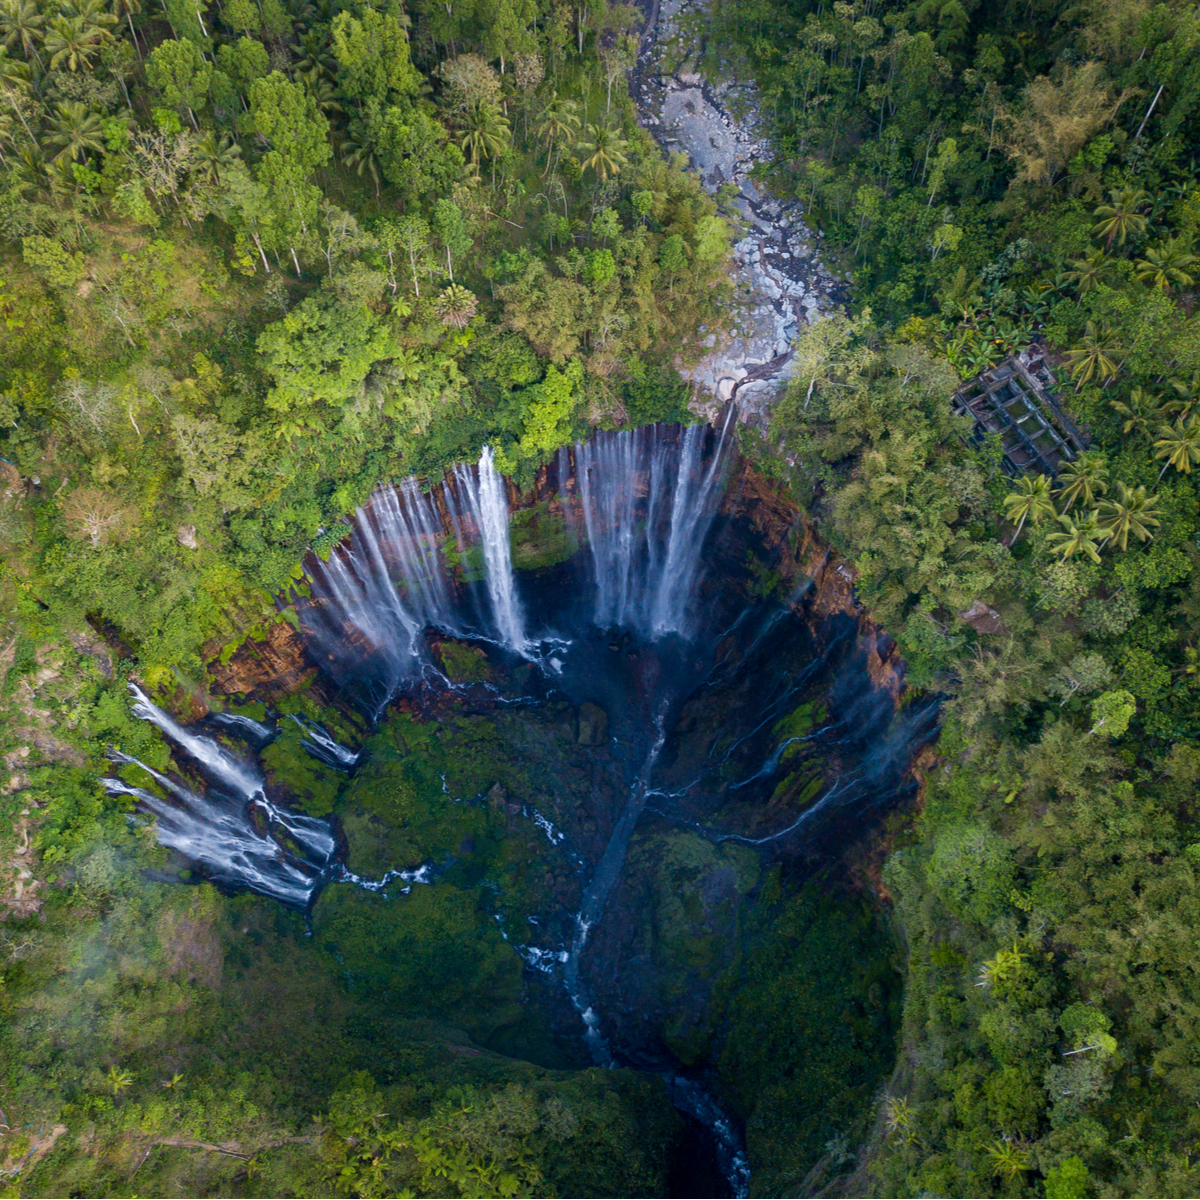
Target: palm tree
x=1168, y=264
x=1084, y=479
x=605, y=151
x=1087, y=273
x=118, y=1080
x=559, y=122
x=94, y=12
x=73, y=42
x=325, y=94
x=1093, y=356
x=455, y=306
x=1131, y=512
x=32, y=169
x=215, y=154
x=313, y=60
x=357, y=152
x=76, y=129
x=486, y=133
x=1009, y=1159
x=22, y=21
x=1187, y=391
x=1179, y=444
x=15, y=83
x=1144, y=413
x=1078, y=535
x=1120, y=217
x=1031, y=500
x=129, y=8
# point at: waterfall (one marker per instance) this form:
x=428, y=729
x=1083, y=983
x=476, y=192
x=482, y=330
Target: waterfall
x=647, y=553
x=211, y=755
x=282, y=855
x=375, y=597
x=321, y=744
x=233, y=832
x=489, y=508
x=255, y=729
x=644, y=500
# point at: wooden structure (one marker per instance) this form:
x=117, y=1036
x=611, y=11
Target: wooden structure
x=1015, y=400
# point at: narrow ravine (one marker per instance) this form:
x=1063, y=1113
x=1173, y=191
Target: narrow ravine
x=780, y=281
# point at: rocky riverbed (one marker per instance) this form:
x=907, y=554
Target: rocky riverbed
x=780, y=281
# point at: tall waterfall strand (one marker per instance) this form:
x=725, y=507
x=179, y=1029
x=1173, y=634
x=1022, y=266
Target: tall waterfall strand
x=647, y=553
x=384, y=589
x=213, y=758
x=232, y=832
x=489, y=508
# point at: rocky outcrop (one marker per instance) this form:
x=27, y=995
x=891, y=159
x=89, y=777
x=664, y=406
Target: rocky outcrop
x=266, y=667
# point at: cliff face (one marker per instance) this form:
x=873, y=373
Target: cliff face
x=263, y=668
x=764, y=540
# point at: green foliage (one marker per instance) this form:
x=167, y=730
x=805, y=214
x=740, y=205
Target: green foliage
x=812, y=1012
x=320, y=354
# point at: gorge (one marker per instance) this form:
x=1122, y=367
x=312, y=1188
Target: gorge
x=650, y=687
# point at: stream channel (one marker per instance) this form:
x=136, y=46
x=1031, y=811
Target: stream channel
x=780, y=283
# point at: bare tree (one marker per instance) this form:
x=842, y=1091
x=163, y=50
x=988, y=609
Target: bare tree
x=95, y=516
x=88, y=407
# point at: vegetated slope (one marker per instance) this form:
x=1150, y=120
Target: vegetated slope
x=256, y=259
x=996, y=174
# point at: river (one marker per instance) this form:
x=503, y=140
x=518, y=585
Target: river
x=780, y=281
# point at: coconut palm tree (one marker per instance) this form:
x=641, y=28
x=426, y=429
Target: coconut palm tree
x=1031, y=501
x=1170, y=263
x=73, y=42
x=1093, y=356
x=1087, y=273
x=1084, y=479
x=558, y=123
x=75, y=129
x=455, y=306
x=357, y=152
x=486, y=133
x=129, y=9
x=1188, y=392
x=31, y=168
x=313, y=60
x=1130, y=511
x=93, y=11
x=1144, y=412
x=1082, y=535
x=325, y=94
x=22, y=21
x=1120, y=217
x=15, y=83
x=215, y=154
x=1179, y=444
x=605, y=151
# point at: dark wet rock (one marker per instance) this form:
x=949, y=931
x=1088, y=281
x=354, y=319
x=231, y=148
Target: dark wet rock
x=593, y=725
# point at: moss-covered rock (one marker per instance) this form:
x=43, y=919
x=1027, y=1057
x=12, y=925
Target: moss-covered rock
x=434, y=952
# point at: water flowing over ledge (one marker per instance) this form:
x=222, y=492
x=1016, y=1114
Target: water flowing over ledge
x=650, y=577
x=642, y=500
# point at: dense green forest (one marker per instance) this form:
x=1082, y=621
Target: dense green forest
x=990, y=175
x=259, y=256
